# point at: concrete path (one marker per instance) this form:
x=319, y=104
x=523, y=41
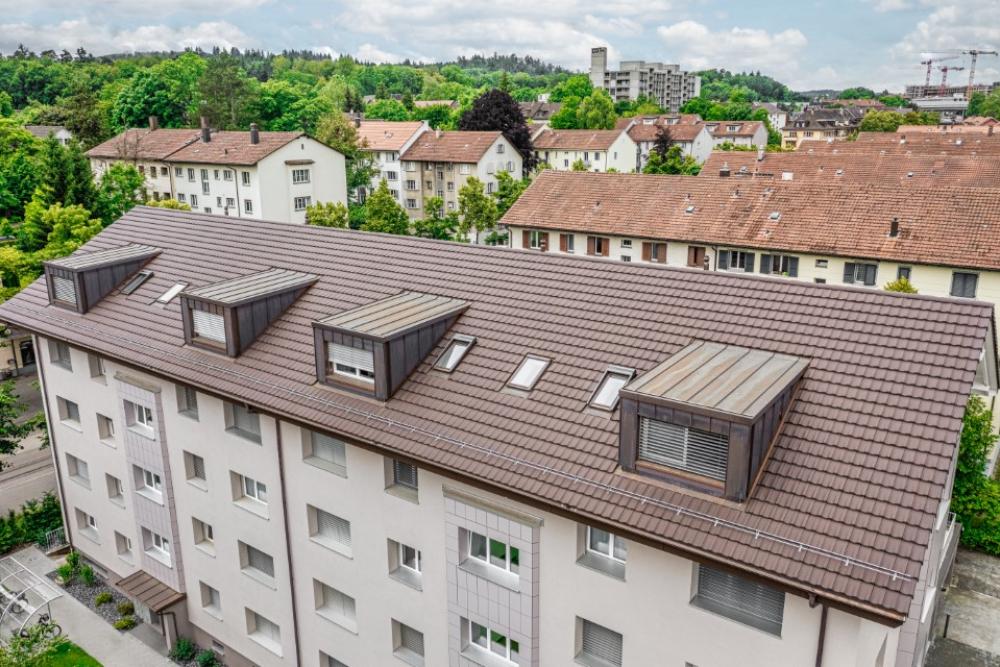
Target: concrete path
x=972, y=612
x=88, y=630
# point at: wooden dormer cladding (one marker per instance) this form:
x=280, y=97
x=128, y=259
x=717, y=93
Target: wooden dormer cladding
x=379, y=344
x=228, y=316
x=706, y=417
x=79, y=281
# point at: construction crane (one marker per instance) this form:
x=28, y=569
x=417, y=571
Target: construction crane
x=944, y=77
x=930, y=63
x=975, y=53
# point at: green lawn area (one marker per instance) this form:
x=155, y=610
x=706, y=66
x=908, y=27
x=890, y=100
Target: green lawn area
x=68, y=655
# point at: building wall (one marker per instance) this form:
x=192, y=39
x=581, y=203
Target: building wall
x=158, y=174
x=228, y=189
x=621, y=156
x=327, y=183
x=649, y=602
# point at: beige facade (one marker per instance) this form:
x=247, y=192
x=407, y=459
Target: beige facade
x=343, y=592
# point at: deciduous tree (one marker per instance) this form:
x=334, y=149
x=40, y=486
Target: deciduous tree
x=327, y=214
x=497, y=110
x=596, y=112
x=436, y=224
x=225, y=93
x=384, y=214
x=477, y=210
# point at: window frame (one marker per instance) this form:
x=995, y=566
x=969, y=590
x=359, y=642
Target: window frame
x=533, y=380
x=510, y=653
x=612, y=545
x=466, y=343
x=611, y=371
x=487, y=558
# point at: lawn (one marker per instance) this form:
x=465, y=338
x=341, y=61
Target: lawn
x=68, y=655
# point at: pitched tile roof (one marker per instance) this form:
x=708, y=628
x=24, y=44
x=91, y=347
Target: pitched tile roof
x=386, y=135
x=938, y=225
x=661, y=119
x=917, y=144
x=860, y=167
x=539, y=110
x=846, y=503
x=575, y=140
x=681, y=132
x=423, y=104
x=455, y=146
x=744, y=128
x=144, y=144
x=233, y=148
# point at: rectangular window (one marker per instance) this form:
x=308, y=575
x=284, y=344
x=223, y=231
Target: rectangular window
x=329, y=661
x=139, y=418
x=606, y=395
x=463, y=169
x=96, y=364
x=567, y=242
x=216, y=174
x=598, y=245
x=696, y=256
x=264, y=631
x=211, y=602
x=409, y=557
x=857, y=273
x=740, y=599
x=535, y=239
x=964, y=284
x=116, y=490
x=69, y=412
x=492, y=641
x=256, y=561
x=230, y=203
x=302, y=203
x=353, y=362
x=204, y=535
x=329, y=529
x=606, y=545
x=335, y=606
x=194, y=468
x=247, y=206
x=528, y=373
x=250, y=489
x=156, y=546
x=246, y=177
x=683, y=448
x=408, y=644
x=494, y=552
x=208, y=327
x=454, y=353
x=87, y=525
x=191, y=175
x=205, y=188
x=187, y=401
x=242, y=420
x=780, y=265
x=123, y=545
x=599, y=646
x=106, y=429
x=736, y=260
x=181, y=198
x=324, y=451
x=194, y=201
x=300, y=176
x=179, y=172
x=148, y=483
x=59, y=351
x=227, y=175
x=78, y=470
x=404, y=474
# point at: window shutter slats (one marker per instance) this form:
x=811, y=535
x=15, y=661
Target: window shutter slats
x=525, y=238
x=749, y=262
x=661, y=253
x=647, y=251
x=742, y=596
x=601, y=643
x=591, y=245
x=352, y=356
x=337, y=529
x=259, y=560
x=64, y=289
x=208, y=325
x=870, y=273
x=543, y=241
x=411, y=639
x=683, y=448
x=563, y=243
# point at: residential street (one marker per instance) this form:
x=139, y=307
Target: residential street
x=29, y=473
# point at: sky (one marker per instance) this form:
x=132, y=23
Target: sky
x=807, y=45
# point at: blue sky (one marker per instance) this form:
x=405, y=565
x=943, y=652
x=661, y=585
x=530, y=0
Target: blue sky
x=805, y=44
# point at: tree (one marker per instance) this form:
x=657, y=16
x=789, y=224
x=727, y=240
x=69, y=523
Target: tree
x=497, y=110
x=990, y=105
x=384, y=214
x=36, y=647
x=327, y=214
x=436, y=224
x=6, y=104
x=507, y=192
x=167, y=90
x=566, y=118
x=901, y=284
x=881, y=121
x=12, y=428
x=975, y=497
x=225, y=93
x=476, y=209
x=169, y=203
x=66, y=173
x=596, y=112
x=337, y=131
x=120, y=189
x=975, y=107
x=578, y=165
x=387, y=110
x=578, y=86
x=674, y=162
x=859, y=93
x=86, y=116
x=663, y=141
x=894, y=101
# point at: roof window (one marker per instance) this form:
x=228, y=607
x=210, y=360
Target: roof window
x=528, y=373
x=169, y=295
x=775, y=215
x=136, y=281
x=605, y=397
x=454, y=353
x=689, y=209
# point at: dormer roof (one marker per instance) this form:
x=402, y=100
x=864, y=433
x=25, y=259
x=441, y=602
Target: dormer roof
x=395, y=316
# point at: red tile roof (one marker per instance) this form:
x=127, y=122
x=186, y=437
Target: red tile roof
x=386, y=135
x=681, y=132
x=846, y=503
x=944, y=226
x=143, y=144
x=234, y=148
x=575, y=140
x=745, y=128
x=456, y=146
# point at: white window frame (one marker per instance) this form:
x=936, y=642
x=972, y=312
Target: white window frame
x=253, y=490
x=613, y=542
x=302, y=203
x=417, y=556
x=300, y=176
x=488, y=559
x=349, y=369
x=158, y=547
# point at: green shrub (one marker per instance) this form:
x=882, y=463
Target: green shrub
x=183, y=650
x=73, y=560
x=88, y=576
x=901, y=284
x=126, y=608
x=206, y=658
x=975, y=497
x=125, y=623
x=104, y=597
x=31, y=524
x=66, y=573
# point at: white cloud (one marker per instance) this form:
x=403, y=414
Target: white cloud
x=619, y=25
x=102, y=39
x=373, y=54
x=130, y=6
x=882, y=6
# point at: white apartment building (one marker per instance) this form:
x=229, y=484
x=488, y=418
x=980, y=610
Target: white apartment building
x=386, y=140
x=411, y=461
x=272, y=175
x=666, y=84
x=599, y=150
x=776, y=116
x=438, y=164
x=693, y=138
x=738, y=133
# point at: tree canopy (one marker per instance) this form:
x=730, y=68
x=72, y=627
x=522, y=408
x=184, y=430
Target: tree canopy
x=497, y=110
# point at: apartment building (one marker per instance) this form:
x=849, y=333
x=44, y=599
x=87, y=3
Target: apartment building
x=667, y=85
x=776, y=116
x=694, y=139
x=254, y=174
x=598, y=150
x=409, y=460
x=385, y=141
x=438, y=164
x=821, y=123
x=745, y=133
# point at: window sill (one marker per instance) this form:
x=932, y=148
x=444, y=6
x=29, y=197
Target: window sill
x=126, y=558
x=340, y=621
x=108, y=442
x=260, y=578
x=206, y=548
x=409, y=657
x=91, y=535
x=335, y=547
x=70, y=424
x=152, y=496
x=118, y=501
x=508, y=580
x=271, y=645
x=245, y=435
x=322, y=464
x=62, y=365
x=254, y=507
x=142, y=431
x=480, y=656
x=407, y=493
x=214, y=612
x=591, y=661
x=159, y=558
x=190, y=414
x=408, y=577
x=602, y=564
x=199, y=484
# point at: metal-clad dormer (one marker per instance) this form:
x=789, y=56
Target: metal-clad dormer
x=79, y=281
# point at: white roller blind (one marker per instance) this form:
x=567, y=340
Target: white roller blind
x=684, y=448
x=352, y=356
x=64, y=289
x=411, y=639
x=601, y=643
x=267, y=628
x=747, y=600
x=333, y=527
x=329, y=449
x=209, y=325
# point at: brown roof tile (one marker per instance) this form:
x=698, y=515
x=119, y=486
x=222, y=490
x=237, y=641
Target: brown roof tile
x=144, y=144
x=844, y=475
x=233, y=148
x=455, y=146
x=386, y=135
x=939, y=225
x=682, y=132
x=580, y=140
x=745, y=128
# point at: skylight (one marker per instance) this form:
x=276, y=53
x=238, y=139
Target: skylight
x=689, y=209
x=168, y=296
x=136, y=281
x=606, y=395
x=454, y=353
x=528, y=373
x=775, y=215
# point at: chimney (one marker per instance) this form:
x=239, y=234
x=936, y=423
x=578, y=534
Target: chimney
x=154, y=123
x=437, y=134
x=760, y=155
x=894, y=228
x=254, y=134
x=724, y=172
x=206, y=131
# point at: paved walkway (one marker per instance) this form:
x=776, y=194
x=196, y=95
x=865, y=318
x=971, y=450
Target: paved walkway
x=972, y=611
x=88, y=630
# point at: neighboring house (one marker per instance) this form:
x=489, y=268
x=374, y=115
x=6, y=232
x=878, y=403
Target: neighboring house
x=45, y=131
x=273, y=175
x=600, y=150
x=951, y=128
x=539, y=112
x=17, y=353
x=439, y=163
x=385, y=140
x=919, y=143
x=659, y=119
x=738, y=132
x=693, y=138
x=448, y=454
x=821, y=123
x=665, y=84
x=776, y=116
x=423, y=104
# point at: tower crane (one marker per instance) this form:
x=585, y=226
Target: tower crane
x=930, y=63
x=944, y=76
x=975, y=53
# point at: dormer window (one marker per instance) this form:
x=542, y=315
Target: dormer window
x=353, y=362
x=208, y=327
x=64, y=290
x=528, y=373
x=683, y=448
x=81, y=280
x=454, y=353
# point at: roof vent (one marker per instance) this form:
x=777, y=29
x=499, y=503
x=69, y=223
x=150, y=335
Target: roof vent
x=373, y=348
x=725, y=169
x=775, y=215
x=787, y=176
x=840, y=172
x=228, y=316
x=206, y=131
x=79, y=281
x=689, y=209
x=909, y=174
x=894, y=228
